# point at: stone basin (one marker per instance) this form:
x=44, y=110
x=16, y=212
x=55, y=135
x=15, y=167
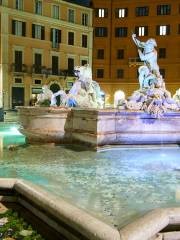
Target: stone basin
x=66, y=221
x=97, y=127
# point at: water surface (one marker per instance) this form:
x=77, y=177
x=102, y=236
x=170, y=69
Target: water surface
x=114, y=185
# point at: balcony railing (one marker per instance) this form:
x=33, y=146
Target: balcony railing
x=55, y=45
x=37, y=69
x=135, y=62
x=19, y=68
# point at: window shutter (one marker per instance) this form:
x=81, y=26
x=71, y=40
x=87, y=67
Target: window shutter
x=42, y=32
x=106, y=12
x=96, y=12
x=117, y=13
x=157, y=30
x=168, y=29
x=136, y=31
x=59, y=36
x=23, y=29
x=126, y=12
x=13, y=26
x=146, y=30
x=51, y=35
x=33, y=30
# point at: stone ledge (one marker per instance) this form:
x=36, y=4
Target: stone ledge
x=70, y=221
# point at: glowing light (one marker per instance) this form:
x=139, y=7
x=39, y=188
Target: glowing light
x=119, y=95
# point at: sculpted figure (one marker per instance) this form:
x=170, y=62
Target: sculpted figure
x=45, y=95
x=146, y=78
x=84, y=93
x=148, y=53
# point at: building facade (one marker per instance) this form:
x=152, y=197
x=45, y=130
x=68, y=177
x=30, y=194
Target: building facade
x=40, y=43
x=115, y=56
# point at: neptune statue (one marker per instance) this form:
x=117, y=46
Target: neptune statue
x=152, y=95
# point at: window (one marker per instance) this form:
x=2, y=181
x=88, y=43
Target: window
x=121, y=32
x=141, y=31
x=120, y=73
x=85, y=19
x=55, y=65
x=162, y=72
x=71, y=66
x=37, y=63
x=101, y=32
x=100, y=73
x=142, y=11
x=100, y=53
x=163, y=30
x=18, y=80
x=83, y=62
x=121, y=12
x=18, y=61
x=101, y=12
x=120, y=53
x=19, y=4
x=70, y=38
x=37, y=81
x=84, y=41
x=162, y=52
x=38, y=31
x=38, y=7
x=55, y=37
x=71, y=15
x=55, y=12
x=163, y=9
x=18, y=28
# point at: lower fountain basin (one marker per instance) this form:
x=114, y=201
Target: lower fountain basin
x=98, y=127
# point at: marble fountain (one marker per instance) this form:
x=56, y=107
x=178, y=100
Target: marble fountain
x=149, y=116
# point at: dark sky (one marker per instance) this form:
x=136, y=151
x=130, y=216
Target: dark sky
x=81, y=2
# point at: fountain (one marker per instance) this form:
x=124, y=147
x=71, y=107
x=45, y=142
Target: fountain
x=149, y=116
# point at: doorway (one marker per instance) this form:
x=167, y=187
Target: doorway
x=17, y=96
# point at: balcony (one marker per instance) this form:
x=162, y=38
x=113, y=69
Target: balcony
x=19, y=69
x=37, y=69
x=133, y=62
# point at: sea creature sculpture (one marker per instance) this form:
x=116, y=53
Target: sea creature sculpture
x=84, y=93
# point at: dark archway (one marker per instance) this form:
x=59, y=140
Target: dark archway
x=55, y=88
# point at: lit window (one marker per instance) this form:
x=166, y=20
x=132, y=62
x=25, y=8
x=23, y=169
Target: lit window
x=101, y=12
x=141, y=31
x=163, y=30
x=121, y=12
x=55, y=12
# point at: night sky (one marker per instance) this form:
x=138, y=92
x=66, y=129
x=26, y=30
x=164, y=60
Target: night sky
x=81, y=2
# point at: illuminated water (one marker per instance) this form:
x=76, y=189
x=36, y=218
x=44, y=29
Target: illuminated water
x=116, y=185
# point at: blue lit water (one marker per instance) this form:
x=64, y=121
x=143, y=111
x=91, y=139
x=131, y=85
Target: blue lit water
x=114, y=185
